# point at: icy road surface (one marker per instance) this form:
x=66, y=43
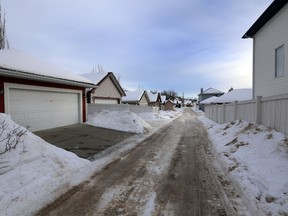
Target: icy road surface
x=167, y=174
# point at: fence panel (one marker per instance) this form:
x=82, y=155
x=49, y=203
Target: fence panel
x=247, y=111
x=230, y=112
x=273, y=110
x=92, y=108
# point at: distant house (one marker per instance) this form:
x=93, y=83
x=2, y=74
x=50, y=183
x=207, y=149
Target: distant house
x=39, y=95
x=154, y=99
x=107, y=91
x=210, y=92
x=169, y=105
x=136, y=98
x=270, y=50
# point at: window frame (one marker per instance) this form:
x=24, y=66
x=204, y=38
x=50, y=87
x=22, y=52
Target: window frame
x=279, y=61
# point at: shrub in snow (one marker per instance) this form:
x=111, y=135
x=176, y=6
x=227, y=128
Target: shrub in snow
x=35, y=172
x=10, y=137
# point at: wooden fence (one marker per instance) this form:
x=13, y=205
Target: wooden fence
x=271, y=112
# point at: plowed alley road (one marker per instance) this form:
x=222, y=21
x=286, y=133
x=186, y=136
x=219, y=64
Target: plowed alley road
x=164, y=175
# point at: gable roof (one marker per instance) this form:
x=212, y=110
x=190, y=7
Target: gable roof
x=235, y=95
x=14, y=63
x=134, y=96
x=273, y=9
x=153, y=96
x=98, y=78
x=212, y=91
x=163, y=98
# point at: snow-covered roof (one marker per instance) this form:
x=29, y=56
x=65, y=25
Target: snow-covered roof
x=235, y=95
x=133, y=96
x=18, y=64
x=95, y=77
x=212, y=91
x=169, y=101
x=153, y=97
x=163, y=98
x=208, y=100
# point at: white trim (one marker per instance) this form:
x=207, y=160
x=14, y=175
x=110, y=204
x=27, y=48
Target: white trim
x=8, y=86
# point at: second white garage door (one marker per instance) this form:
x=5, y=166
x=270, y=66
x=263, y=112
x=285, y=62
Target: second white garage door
x=43, y=108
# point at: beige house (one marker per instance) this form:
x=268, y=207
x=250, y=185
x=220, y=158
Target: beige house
x=107, y=91
x=169, y=105
x=136, y=98
x=270, y=49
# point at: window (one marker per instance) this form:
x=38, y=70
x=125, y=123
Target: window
x=279, y=62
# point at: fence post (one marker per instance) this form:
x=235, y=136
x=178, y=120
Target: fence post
x=258, y=110
x=235, y=110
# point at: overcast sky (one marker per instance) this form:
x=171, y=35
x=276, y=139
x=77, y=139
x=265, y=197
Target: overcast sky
x=182, y=45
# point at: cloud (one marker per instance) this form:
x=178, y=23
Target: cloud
x=172, y=44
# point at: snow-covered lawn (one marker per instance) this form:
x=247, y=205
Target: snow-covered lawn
x=36, y=172
x=256, y=159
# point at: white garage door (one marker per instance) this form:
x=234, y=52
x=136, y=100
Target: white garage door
x=40, y=109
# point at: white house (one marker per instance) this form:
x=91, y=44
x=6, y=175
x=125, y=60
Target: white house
x=270, y=49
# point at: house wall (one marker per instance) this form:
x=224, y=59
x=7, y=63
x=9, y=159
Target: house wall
x=169, y=106
x=271, y=36
x=143, y=101
x=37, y=83
x=106, y=89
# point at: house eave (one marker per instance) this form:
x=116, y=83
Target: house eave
x=274, y=7
x=43, y=78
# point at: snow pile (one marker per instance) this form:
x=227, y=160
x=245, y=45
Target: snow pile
x=161, y=115
x=123, y=121
x=256, y=158
x=35, y=172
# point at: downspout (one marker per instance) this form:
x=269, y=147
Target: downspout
x=253, y=71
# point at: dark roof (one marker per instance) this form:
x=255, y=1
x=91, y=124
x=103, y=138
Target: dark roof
x=275, y=6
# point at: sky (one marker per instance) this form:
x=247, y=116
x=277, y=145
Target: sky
x=180, y=45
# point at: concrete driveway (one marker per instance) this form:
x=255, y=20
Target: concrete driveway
x=83, y=140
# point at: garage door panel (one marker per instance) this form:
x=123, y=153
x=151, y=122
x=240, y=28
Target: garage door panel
x=41, y=110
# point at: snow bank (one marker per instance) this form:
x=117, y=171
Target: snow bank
x=256, y=158
x=123, y=121
x=35, y=172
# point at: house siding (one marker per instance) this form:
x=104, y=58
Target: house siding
x=143, y=101
x=44, y=84
x=107, y=89
x=271, y=36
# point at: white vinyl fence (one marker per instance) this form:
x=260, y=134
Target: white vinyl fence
x=271, y=112
x=92, y=108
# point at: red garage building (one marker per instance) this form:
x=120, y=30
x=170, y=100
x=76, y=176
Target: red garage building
x=39, y=95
